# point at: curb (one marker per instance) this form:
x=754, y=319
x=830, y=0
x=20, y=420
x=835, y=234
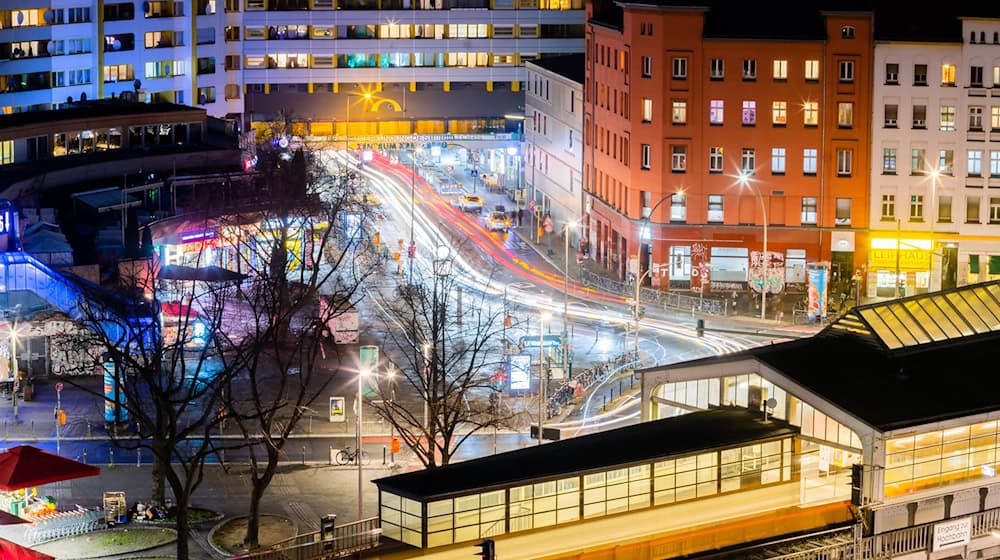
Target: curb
x=115, y=530
x=217, y=526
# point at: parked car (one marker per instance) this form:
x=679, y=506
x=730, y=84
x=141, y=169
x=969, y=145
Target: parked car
x=471, y=203
x=497, y=221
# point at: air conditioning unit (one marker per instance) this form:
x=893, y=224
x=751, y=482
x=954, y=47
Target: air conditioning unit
x=919, y=123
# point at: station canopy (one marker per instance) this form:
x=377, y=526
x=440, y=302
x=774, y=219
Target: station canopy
x=924, y=319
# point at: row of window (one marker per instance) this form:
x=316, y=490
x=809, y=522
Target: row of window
x=948, y=75
x=715, y=202
x=973, y=208
x=34, y=17
x=779, y=69
x=386, y=60
x=921, y=165
x=104, y=139
x=942, y=457
x=305, y=5
x=748, y=160
x=749, y=113
x=408, y=31
x=946, y=123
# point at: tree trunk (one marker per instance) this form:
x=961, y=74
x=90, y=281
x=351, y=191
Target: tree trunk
x=158, y=488
x=182, y=528
x=260, y=484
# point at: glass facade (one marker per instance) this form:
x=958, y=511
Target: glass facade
x=590, y=495
x=942, y=457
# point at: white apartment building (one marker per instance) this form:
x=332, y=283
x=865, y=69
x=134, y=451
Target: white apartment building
x=553, y=133
x=434, y=60
x=935, y=161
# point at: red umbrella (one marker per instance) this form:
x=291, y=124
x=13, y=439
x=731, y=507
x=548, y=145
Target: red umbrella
x=25, y=466
x=10, y=518
x=13, y=551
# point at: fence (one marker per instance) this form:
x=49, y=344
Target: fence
x=65, y=524
x=894, y=543
x=586, y=380
x=347, y=539
x=671, y=300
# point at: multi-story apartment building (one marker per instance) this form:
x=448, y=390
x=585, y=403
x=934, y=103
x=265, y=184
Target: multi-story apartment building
x=684, y=101
x=553, y=135
x=935, y=156
x=434, y=62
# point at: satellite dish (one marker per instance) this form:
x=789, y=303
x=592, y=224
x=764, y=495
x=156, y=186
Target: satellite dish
x=20, y=18
x=166, y=69
x=137, y=84
x=48, y=16
x=202, y=99
x=83, y=96
x=69, y=99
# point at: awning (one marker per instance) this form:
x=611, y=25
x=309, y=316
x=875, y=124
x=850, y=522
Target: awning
x=25, y=466
x=107, y=200
x=203, y=274
x=10, y=518
x=12, y=551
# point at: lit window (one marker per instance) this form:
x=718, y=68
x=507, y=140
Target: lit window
x=843, y=212
x=947, y=118
x=889, y=161
x=974, y=167
x=779, y=112
x=812, y=69
x=748, y=161
x=845, y=115
x=888, y=206
x=647, y=110
x=678, y=207
x=678, y=112
x=749, y=113
x=946, y=162
x=918, y=161
x=994, y=164
x=948, y=74
x=916, y=208
x=715, y=111
x=715, y=213
x=809, y=210
x=810, y=113
x=780, y=69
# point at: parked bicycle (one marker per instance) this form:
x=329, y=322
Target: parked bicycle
x=349, y=456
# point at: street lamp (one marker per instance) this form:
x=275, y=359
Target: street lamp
x=347, y=125
x=565, y=334
x=361, y=381
x=391, y=375
x=427, y=380
x=542, y=374
x=745, y=181
x=442, y=269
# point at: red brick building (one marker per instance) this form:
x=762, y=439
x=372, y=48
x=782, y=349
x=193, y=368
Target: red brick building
x=681, y=101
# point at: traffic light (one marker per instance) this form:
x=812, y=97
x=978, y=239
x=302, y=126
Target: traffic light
x=700, y=328
x=486, y=551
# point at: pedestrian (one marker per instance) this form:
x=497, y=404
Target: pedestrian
x=520, y=216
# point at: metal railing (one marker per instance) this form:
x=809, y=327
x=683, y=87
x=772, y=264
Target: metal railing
x=671, y=300
x=894, y=543
x=347, y=539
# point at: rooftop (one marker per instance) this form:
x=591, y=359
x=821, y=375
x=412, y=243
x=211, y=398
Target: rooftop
x=92, y=109
x=899, y=363
x=569, y=66
x=691, y=433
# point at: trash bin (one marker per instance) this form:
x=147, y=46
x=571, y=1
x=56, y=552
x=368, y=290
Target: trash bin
x=29, y=392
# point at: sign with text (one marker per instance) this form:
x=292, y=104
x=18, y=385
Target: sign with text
x=949, y=534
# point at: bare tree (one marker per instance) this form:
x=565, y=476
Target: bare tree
x=448, y=350
x=287, y=306
x=165, y=377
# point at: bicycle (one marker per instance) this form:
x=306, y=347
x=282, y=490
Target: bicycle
x=348, y=456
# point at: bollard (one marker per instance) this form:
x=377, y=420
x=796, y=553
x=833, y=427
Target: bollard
x=90, y=430
x=619, y=387
x=303, y=455
x=604, y=407
x=84, y=456
x=310, y=424
x=331, y=455
x=111, y=457
x=32, y=427
x=383, y=456
x=138, y=458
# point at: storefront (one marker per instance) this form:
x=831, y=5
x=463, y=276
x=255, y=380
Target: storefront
x=899, y=263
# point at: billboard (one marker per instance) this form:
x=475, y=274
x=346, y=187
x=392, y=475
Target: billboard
x=114, y=398
x=817, y=274
x=337, y=405
x=519, y=372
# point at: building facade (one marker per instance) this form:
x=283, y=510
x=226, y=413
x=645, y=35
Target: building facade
x=934, y=158
x=684, y=102
x=298, y=60
x=553, y=136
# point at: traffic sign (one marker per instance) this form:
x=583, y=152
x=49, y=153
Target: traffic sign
x=59, y=387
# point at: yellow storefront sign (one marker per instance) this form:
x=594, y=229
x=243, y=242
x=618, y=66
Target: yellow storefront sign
x=915, y=254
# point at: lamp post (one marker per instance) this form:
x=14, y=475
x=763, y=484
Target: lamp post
x=565, y=334
x=347, y=125
x=506, y=312
x=361, y=381
x=542, y=374
x=635, y=310
x=413, y=191
x=744, y=179
x=391, y=374
x=442, y=269
x=427, y=381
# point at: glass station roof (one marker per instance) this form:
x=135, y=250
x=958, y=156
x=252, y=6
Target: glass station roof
x=929, y=318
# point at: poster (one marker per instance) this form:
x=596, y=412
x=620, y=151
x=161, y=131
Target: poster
x=337, y=405
x=700, y=280
x=817, y=275
x=519, y=372
x=774, y=277
x=114, y=405
x=368, y=365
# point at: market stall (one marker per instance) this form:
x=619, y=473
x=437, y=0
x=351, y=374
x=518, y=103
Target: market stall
x=23, y=469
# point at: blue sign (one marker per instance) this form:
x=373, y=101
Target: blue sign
x=548, y=341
